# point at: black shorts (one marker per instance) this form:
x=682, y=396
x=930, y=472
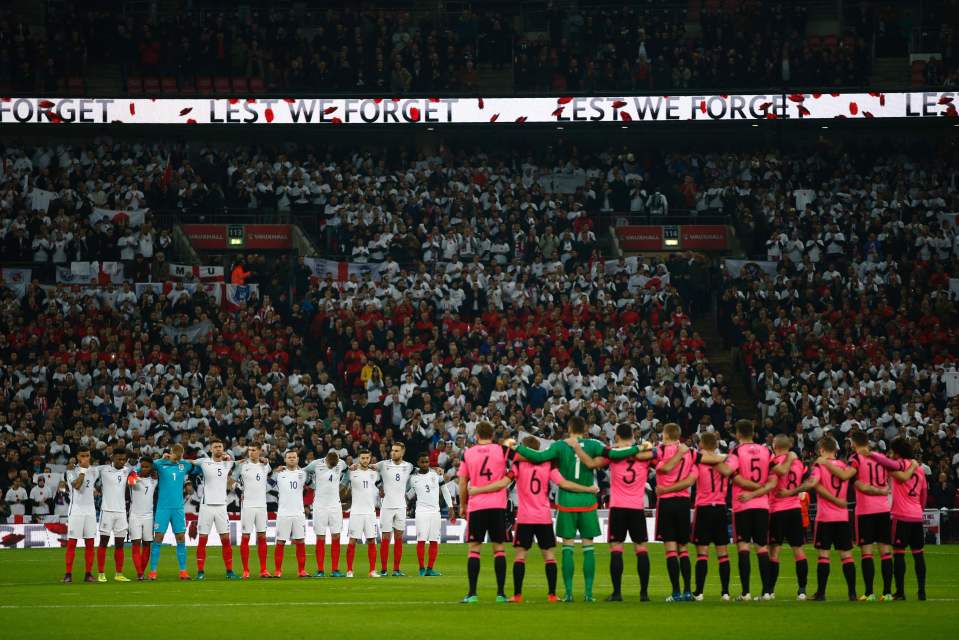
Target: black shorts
x=672, y=520
x=786, y=527
x=711, y=526
x=545, y=537
x=908, y=534
x=751, y=525
x=873, y=528
x=487, y=521
x=833, y=535
x=623, y=521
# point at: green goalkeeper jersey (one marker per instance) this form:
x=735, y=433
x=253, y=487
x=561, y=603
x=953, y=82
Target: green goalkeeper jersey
x=573, y=469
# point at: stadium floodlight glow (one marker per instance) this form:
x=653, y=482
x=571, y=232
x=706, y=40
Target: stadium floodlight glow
x=671, y=242
x=755, y=125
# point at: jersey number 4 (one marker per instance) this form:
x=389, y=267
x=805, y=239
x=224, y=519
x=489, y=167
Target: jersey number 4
x=484, y=471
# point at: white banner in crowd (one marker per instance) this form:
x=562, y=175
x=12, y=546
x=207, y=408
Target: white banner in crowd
x=16, y=280
x=954, y=289
x=192, y=333
x=117, y=216
x=556, y=110
x=207, y=273
x=341, y=270
x=752, y=267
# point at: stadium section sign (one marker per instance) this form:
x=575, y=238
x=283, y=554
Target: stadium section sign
x=438, y=111
x=687, y=236
x=239, y=236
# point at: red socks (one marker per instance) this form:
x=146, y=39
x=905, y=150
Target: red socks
x=421, y=553
x=278, y=556
x=227, y=551
x=335, y=552
x=350, y=554
x=434, y=551
x=135, y=554
x=300, y=556
x=261, y=551
x=118, y=558
x=201, y=553
x=397, y=552
x=71, y=552
x=384, y=555
x=371, y=553
x=88, y=555
x=245, y=552
x=101, y=558
x=320, y=553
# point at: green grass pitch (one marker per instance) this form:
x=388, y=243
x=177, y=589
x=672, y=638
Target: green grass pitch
x=34, y=604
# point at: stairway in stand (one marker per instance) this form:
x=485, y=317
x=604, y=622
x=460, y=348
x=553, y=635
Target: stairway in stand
x=720, y=361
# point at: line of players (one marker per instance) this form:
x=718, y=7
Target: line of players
x=156, y=503
x=766, y=484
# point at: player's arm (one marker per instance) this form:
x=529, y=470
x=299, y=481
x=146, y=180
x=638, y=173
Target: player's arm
x=573, y=487
x=712, y=459
x=669, y=464
x=624, y=453
x=538, y=455
x=888, y=463
x=761, y=491
x=904, y=475
x=870, y=490
x=587, y=460
x=464, y=492
x=842, y=474
x=78, y=481
x=448, y=496
x=683, y=484
x=825, y=494
x=782, y=468
x=492, y=487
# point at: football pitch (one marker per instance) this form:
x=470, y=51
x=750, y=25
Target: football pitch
x=34, y=604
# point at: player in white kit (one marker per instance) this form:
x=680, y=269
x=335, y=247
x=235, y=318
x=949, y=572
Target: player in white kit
x=395, y=475
x=363, y=512
x=216, y=480
x=328, y=482
x=142, y=491
x=113, y=513
x=290, y=520
x=82, y=517
x=253, y=474
x=427, y=485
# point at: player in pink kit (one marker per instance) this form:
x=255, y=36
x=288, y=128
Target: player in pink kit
x=749, y=465
x=672, y=509
x=534, y=517
x=484, y=463
x=909, y=489
x=873, y=524
x=830, y=478
x=785, y=514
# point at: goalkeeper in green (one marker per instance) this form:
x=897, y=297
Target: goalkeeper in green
x=577, y=511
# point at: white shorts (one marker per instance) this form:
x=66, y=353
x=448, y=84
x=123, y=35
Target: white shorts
x=141, y=527
x=363, y=526
x=113, y=523
x=290, y=527
x=81, y=526
x=428, y=527
x=327, y=518
x=211, y=515
x=253, y=520
x=392, y=520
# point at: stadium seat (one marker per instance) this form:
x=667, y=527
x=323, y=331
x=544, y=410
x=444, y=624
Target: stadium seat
x=135, y=85
x=204, y=86
x=240, y=86
x=168, y=85
x=75, y=86
x=830, y=42
x=221, y=85
x=151, y=86
x=256, y=85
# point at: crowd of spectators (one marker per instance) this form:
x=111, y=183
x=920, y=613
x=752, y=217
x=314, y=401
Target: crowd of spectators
x=848, y=320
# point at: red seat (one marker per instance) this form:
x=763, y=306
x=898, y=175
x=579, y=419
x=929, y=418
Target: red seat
x=151, y=86
x=830, y=42
x=135, y=85
x=188, y=88
x=918, y=65
x=814, y=42
x=221, y=85
x=204, y=86
x=168, y=85
x=240, y=86
x=76, y=86
x=256, y=85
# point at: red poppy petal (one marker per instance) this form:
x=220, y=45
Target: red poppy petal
x=564, y=100
x=329, y=110
x=415, y=114
x=951, y=112
x=797, y=97
x=853, y=108
x=868, y=114
x=482, y=104
x=434, y=99
x=250, y=100
x=5, y=99
x=874, y=94
x=765, y=106
x=557, y=112
x=619, y=104
x=54, y=118
x=494, y=118
x=771, y=116
x=46, y=104
x=626, y=117
x=336, y=120
x=191, y=121
x=817, y=95
x=133, y=109
x=803, y=111
x=395, y=99
x=377, y=100
x=723, y=95
x=834, y=95
x=521, y=119
x=233, y=100
x=269, y=114
x=702, y=106
x=882, y=99
x=289, y=100
x=185, y=111
x=945, y=100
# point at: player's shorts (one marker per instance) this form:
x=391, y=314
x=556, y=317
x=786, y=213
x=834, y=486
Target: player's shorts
x=568, y=523
x=543, y=533
x=672, y=520
x=786, y=527
x=710, y=525
x=874, y=528
x=832, y=535
x=327, y=518
x=363, y=526
x=113, y=523
x=292, y=527
x=428, y=526
x=487, y=521
x=392, y=520
x=252, y=520
x=81, y=526
x=751, y=525
x=211, y=515
x=166, y=517
x=624, y=521
x=141, y=527
x=908, y=534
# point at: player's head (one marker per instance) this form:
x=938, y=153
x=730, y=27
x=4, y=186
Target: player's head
x=146, y=466
x=120, y=458
x=484, y=431
x=216, y=447
x=708, y=441
x=364, y=455
x=531, y=442
x=423, y=462
x=253, y=452
x=782, y=443
x=828, y=447
x=671, y=432
x=176, y=452
x=901, y=449
x=83, y=456
x=576, y=426
x=291, y=458
x=397, y=451
x=332, y=458
x=624, y=431
x=860, y=440
x=745, y=430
